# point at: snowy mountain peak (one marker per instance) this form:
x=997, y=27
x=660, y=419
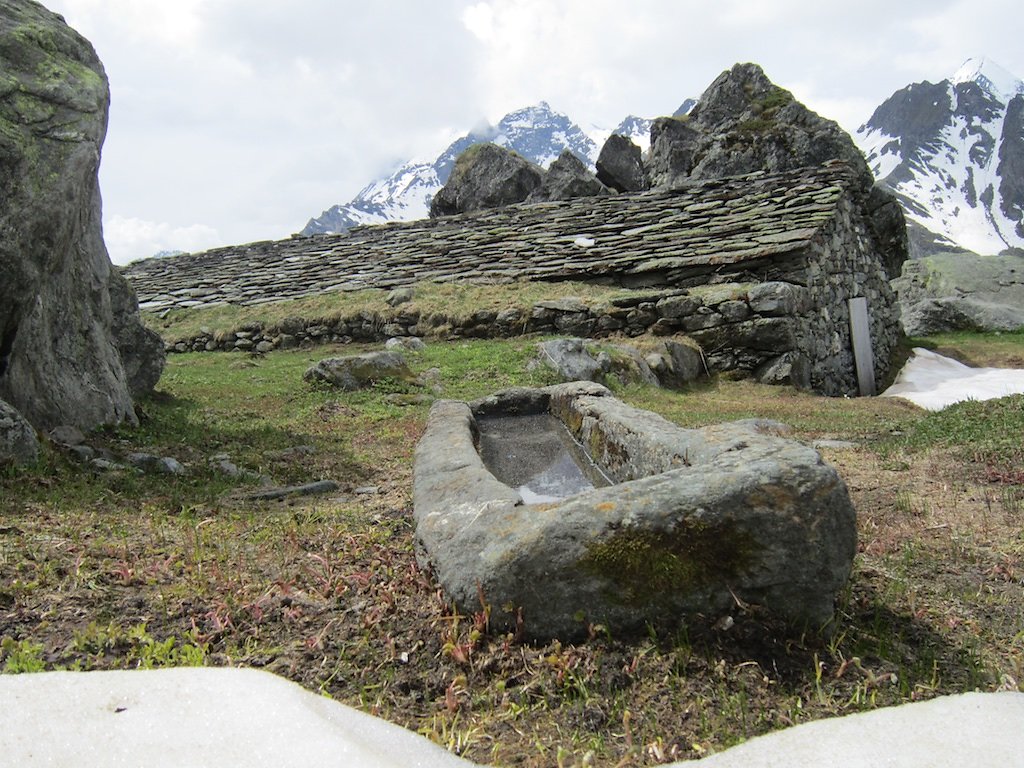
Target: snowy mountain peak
x=538, y=133
x=990, y=76
x=954, y=156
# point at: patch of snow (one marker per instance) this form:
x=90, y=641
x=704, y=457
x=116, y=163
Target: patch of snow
x=880, y=149
x=583, y=242
x=934, y=382
x=990, y=76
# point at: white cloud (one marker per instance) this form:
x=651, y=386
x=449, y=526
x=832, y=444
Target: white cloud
x=254, y=115
x=479, y=19
x=129, y=239
x=177, y=23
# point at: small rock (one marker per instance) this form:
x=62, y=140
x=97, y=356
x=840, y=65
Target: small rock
x=66, y=435
x=82, y=452
x=309, y=489
x=369, y=490
x=432, y=379
x=410, y=343
x=399, y=296
x=18, y=441
x=227, y=467
x=106, y=465
x=839, y=445
x=141, y=461
x=169, y=465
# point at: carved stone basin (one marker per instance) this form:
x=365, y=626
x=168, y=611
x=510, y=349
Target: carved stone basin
x=692, y=524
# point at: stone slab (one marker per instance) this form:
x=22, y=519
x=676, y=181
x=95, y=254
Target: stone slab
x=244, y=717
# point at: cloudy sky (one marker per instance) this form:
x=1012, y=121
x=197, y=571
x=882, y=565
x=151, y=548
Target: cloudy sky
x=239, y=120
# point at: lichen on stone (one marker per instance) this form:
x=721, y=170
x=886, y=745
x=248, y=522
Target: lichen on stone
x=643, y=564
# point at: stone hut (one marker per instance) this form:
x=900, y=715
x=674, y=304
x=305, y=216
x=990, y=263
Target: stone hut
x=757, y=269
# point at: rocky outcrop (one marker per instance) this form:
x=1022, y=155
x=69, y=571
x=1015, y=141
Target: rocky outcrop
x=68, y=322
x=696, y=523
x=1011, y=165
x=486, y=176
x=952, y=152
x=962, y=292
x=567, y=177
x=620, y=165
x=744, y=123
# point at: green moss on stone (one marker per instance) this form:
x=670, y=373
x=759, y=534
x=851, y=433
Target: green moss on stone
x=765, y=110
x=646, y=566
x=37, y=36
x=465, y=160
x=755, y=126
x=775, y=100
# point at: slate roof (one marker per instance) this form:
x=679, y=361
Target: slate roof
x=683, y=237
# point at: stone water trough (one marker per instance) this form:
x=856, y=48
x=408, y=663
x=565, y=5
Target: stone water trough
x=564, y=507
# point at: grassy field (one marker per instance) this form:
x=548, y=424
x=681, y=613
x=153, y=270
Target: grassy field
x=117, y=569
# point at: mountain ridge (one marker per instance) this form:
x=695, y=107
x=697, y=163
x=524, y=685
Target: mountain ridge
x=538, y=133
x=953, y=154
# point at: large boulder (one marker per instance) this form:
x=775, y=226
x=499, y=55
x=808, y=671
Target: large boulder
x=354, y=372
x=486, y=176
x=677, y=362
x=620, y=165
x=962, y=291
x=744, y=123
x=66, y=315
x=575, y=359
x=567, y=177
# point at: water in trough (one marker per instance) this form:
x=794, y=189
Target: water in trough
x=537, y=456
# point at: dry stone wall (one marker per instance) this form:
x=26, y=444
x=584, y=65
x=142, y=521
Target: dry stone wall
x=757, y=269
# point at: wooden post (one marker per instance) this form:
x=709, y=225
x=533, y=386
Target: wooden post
x=860, y=331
